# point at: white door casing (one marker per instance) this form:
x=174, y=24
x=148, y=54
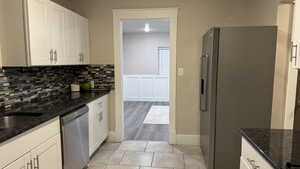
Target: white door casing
x=150, y=13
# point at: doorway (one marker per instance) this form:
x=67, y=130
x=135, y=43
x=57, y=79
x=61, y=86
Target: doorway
x=146, y=68
x=170, y=15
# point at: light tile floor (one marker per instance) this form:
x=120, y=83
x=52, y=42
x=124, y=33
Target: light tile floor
x=147, y=155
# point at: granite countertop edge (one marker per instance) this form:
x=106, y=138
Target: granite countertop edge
x=261, y=152
x=36, y=121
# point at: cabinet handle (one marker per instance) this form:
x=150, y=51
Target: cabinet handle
x=36, y=162
x=55, y=56
x=294, y=54
x=81, y=58
x=253, y=163
x=100, y=116
x=29, y=164
x=51, y=55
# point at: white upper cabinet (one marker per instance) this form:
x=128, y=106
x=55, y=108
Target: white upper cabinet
x=70, y=24
x=41, y=32
x=38, y=34
x=296, y=35
x=55, y=19
x=83, y=40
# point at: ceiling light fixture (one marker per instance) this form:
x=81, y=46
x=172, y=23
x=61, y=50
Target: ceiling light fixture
x=147, y=27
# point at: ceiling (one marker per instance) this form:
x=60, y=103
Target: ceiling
x=138, y=25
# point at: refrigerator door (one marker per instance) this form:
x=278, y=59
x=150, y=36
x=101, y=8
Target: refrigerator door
x=208, y=95
x=245, y=88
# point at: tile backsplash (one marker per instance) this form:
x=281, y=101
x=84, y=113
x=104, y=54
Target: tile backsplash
x=23, y=84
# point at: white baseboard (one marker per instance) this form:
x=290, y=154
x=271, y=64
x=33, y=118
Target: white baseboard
x=175, y=139
x=113, y=137
x=188, y=139
x=147, y=99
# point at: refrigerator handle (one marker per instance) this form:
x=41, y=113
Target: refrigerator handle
x=202, y=86
x=204, y=83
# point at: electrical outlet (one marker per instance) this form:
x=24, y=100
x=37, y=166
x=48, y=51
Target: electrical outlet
x=180, y=71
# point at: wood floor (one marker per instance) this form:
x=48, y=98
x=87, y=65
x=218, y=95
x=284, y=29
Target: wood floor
x=135, y=129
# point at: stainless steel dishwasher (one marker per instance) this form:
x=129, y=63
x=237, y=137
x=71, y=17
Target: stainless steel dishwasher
x=75, y=131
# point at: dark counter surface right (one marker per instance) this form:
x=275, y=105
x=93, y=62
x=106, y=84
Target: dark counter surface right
x=279, y=147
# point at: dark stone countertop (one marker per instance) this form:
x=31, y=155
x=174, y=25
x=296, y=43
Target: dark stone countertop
x=47, y=108
x=280, y=148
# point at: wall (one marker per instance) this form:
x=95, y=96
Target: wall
x=194, y=19
x=281, y=67
x=141, y=52
x=1, y=32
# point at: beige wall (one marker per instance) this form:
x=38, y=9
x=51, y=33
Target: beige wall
x=1, y=32
x=141, y=52
x=195, y=18
x=281, y=68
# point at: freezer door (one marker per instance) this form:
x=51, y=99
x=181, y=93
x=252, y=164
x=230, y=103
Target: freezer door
x=208, y=95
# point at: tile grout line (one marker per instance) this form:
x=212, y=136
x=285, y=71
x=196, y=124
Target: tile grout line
x=123, y=156
x=184, y=165
x=152, y=159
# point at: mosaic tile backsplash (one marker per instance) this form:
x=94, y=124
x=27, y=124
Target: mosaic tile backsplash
x=19, y=85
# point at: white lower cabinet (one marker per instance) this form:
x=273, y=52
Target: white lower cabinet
x=98, y=123
x=20, y=163
x=48, y=154
x=39, y=148
x=251, y=159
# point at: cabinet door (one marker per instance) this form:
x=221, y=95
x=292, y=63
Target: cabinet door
x=21, y=163
x=104, y=122
x=70, y=37
x=98, y=117
x=296, y=35
x=38, y=32
x=91, y=128
x=48, y=155
x=83, y=40
x=56, y=32
x=100, y=121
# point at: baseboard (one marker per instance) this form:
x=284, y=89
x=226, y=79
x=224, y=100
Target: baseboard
x=113, y=137
x=188, y=139
x=147, y=99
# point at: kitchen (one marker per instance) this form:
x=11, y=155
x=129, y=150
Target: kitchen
x=47, y=49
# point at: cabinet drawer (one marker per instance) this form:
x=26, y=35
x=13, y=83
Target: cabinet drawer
x=19, y=145
x=252, y=157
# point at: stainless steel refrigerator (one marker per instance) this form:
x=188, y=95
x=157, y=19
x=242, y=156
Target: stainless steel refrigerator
x=237, y=71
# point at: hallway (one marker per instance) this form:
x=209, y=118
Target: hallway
x=136, y=129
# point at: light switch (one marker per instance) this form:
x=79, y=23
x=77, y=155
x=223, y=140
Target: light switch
x=180, y=71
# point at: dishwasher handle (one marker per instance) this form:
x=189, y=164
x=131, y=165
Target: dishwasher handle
x=74, y=115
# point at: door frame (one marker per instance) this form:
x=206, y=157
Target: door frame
x=149, y=13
